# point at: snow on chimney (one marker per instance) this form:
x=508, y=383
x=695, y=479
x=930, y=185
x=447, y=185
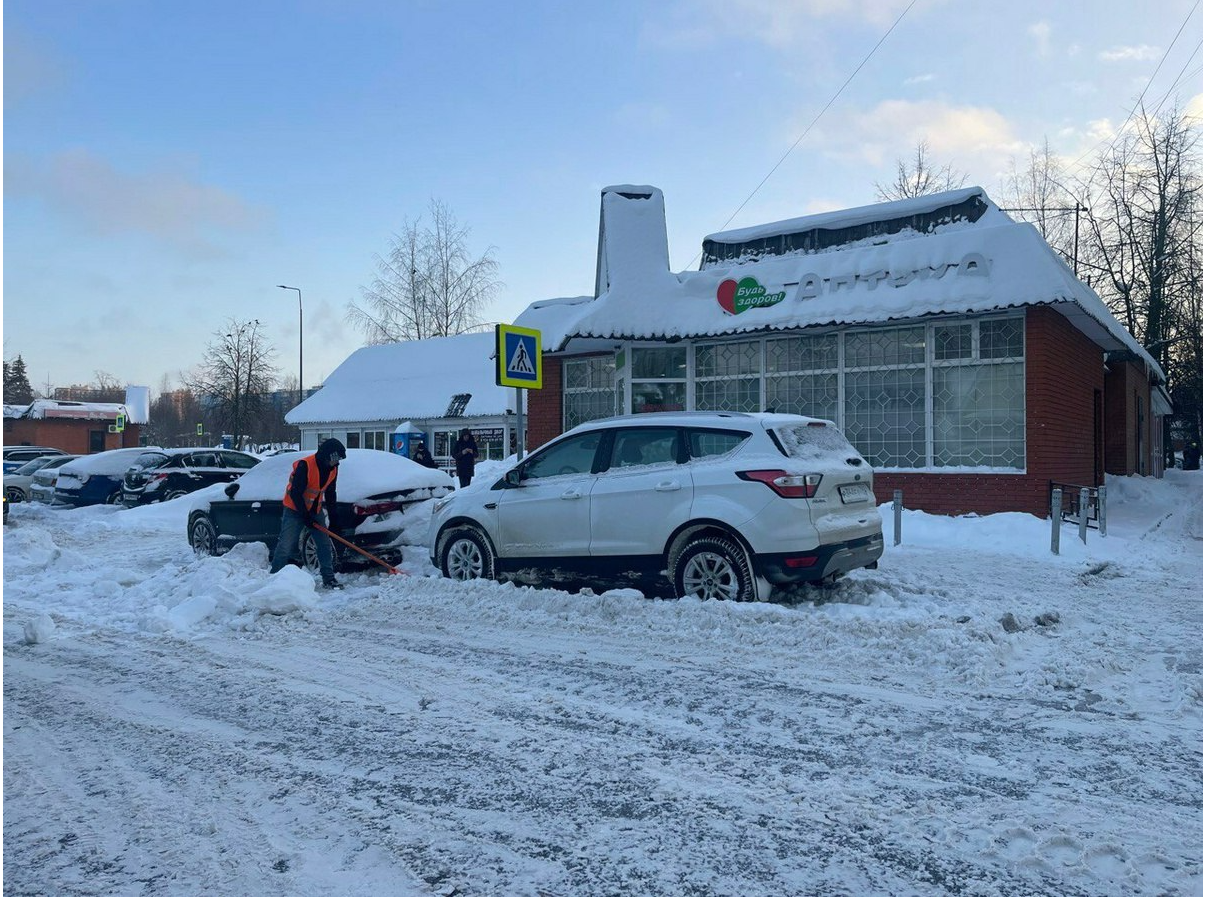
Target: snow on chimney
x=139, y=404
x=632, y=236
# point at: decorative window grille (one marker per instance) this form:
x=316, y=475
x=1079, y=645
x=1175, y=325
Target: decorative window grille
x=588, y=390
x=728, y=376
x=946, y=395
x=802, y=375
x=978, y=394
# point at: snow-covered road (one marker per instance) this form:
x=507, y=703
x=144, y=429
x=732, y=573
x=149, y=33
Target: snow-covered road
x=175, y=725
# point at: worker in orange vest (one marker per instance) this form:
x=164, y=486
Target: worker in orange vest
x=313, y=482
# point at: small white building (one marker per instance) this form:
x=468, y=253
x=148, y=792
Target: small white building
x=388, y=397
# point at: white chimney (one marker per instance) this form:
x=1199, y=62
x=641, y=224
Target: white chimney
x=632, y=236
x=139, y=404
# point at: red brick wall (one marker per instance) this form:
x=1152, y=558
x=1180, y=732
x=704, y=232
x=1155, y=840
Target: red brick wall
x=544, y=405
x=1124, y=384
x=71, y=436
x=1062, y=368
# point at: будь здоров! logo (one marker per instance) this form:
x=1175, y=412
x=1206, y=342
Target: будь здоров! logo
x=737, y=296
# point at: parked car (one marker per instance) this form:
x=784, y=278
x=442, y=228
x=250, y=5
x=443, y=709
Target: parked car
x=17, y=485
x=16, y=455
x=713, y=504
x=166, y=474
x=42, y=483
x=382, y=498
x=95, y=479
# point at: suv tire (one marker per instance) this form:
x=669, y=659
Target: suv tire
x=715, y=568
x=466, y=554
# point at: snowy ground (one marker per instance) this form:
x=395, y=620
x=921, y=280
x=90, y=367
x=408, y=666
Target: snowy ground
x=175, y=725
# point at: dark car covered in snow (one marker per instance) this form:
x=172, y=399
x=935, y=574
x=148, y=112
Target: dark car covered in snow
x=166, y=474
x=383, y=503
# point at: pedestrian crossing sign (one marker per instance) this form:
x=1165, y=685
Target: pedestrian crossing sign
x=518, y=357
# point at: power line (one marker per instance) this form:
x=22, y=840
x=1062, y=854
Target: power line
x=1109, y=145
x=821, y=113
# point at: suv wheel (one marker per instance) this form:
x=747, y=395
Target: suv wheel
x=466, y=555
x=14, y=494
x=715, y=568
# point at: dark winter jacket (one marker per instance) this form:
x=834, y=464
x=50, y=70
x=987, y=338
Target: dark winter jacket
x=466, y=454
x=423, y=456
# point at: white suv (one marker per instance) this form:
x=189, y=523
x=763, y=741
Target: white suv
x=721, y=504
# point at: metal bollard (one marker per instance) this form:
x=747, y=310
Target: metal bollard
x=1084, y=515
x=1101, y=510
x=1056, y=517
x=898, y=516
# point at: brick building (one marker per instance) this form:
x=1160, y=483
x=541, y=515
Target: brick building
x=79, y=428
x=949, y=342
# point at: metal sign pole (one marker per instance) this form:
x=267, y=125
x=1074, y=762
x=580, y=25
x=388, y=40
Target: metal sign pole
x=519, y=446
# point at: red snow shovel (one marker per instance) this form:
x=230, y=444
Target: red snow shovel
x=382, y=563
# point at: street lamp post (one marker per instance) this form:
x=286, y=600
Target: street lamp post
x=300, y=296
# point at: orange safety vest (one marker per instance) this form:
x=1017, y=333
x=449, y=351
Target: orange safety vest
x=315, y=490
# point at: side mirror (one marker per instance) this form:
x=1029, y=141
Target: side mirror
x=513, y=477
x=230, y=490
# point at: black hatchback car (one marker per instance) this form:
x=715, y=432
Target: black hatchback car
x=165, y=474
x=383, y=502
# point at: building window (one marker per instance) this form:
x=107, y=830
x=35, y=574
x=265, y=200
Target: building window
x=884, y=395
x=802, y=376
x=588, y=389
x=660, y=379
x=375, y=439
x=947, y=395
x=978, y=394
x=728, y=376
x=352, y=440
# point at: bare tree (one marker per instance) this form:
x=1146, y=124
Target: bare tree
x=429, y=285
x=1041, y=195
x=234, y=376
x=1144, y=246
x=919, y=178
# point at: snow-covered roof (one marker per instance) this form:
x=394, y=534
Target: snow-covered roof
x=415, y=379
x=41, y=409
x=962, y=266
x=136, y=409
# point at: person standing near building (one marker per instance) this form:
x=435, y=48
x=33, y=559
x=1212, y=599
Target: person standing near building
x=313, y=482
x=422, y=455
x=466, y=454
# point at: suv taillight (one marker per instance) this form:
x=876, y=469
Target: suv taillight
x=786, y=485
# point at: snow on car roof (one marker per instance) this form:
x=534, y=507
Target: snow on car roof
x=112, y=462
x=365, y=472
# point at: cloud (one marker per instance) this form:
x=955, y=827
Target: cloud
x=969, y=138
x=1194, y=106
x=1041, y=33
x=919, y=79
x=30, y=70
x=1141, y=53
x=165, y=204
x=784, y=24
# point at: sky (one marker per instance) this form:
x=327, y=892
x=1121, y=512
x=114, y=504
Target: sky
x=167, y=165
x=977, y=716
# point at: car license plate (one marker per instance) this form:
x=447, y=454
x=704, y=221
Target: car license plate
x=854, y=492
